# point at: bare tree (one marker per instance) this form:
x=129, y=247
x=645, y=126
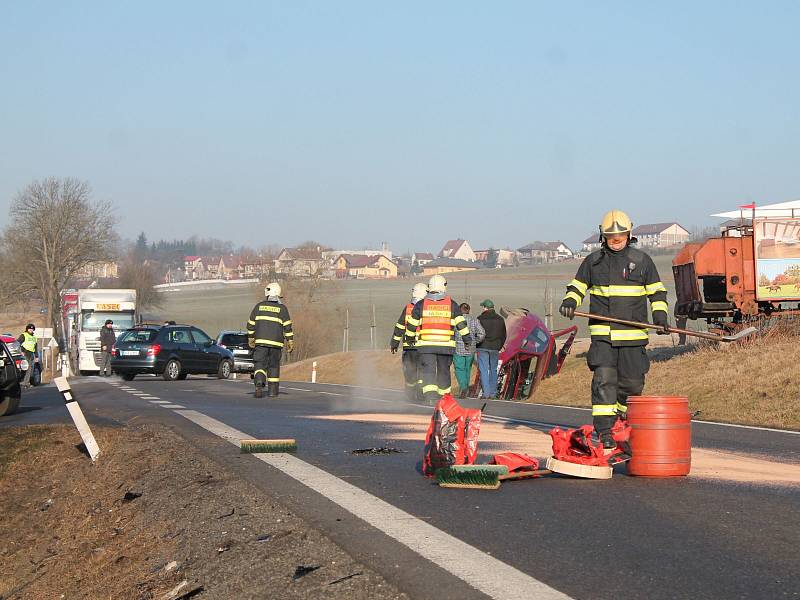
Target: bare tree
x=55, y=230
x=140, y=276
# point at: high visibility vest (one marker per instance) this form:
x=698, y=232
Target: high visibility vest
x=436, y=324
x=29, y=343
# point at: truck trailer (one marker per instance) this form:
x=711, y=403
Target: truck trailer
x=94, y=307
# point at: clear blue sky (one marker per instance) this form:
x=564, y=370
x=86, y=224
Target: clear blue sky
x=357, y=122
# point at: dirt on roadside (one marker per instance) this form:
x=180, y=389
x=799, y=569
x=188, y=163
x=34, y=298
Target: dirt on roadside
x=153, y=519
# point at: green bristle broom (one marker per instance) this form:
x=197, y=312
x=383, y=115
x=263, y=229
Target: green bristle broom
x=481, y=477
x=266, y=446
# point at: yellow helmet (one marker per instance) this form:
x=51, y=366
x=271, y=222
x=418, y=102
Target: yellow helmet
x=615, y=222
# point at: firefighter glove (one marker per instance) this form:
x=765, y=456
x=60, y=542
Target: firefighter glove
x=251, y=342
x=660, y=319
x=568, y=307
x=289, y=346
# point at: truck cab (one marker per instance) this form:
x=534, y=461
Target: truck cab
x=94, y=307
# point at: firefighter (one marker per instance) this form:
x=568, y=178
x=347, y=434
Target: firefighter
x=267, y=330
x=620, y=280
x=430, y=329
x=410, y=372
x=30, y=348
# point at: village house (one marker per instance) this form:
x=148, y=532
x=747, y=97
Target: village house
x=660, y=235
x=538, y=253
x=591, y=243
x=504, y=257
x=420, y=259
x=193, y=267
x=299, y=262
x=359, y=266
x=448, y=265
x=459, y=249
x=98, y=270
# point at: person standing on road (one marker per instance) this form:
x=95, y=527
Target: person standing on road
x=465, y=353
x=620, y=280
x=30, y=348
x=268, y=330
x=489, y=349
x=430, y=330
x=107, y=340
x=410, y=370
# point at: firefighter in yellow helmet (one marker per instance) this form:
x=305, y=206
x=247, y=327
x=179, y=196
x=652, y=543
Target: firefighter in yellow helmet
x=410, y=370
x=430, y=329
x=620, y=281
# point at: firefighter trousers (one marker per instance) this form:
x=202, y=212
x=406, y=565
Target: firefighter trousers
x=434, y=371
x=618, y=372
x=411, y=375
x=267, y=365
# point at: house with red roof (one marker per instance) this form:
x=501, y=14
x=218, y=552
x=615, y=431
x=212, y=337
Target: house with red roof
x=459, y=249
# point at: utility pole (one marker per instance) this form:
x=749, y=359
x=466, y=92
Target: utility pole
x=346, y=335
x=372, y=339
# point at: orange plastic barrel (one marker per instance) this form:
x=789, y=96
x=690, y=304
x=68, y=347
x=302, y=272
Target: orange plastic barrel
x=661, y=436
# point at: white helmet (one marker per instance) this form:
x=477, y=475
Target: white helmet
x=273, y=289
x=418, y=291
x=437, y=285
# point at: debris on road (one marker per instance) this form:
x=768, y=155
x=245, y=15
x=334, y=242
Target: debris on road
x=130, y=496
x=345, y=578
x=381, y=450
x=267, y=446
x=303, y=570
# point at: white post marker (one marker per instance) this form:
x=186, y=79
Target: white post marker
x=77, y=417
x=314, y=372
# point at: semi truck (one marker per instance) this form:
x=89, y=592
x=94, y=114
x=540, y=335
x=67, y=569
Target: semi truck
x=94, y=308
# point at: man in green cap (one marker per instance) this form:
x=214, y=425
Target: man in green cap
x=489, y=349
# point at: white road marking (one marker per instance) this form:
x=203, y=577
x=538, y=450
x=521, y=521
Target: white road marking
x=149, y=397
x=172, y=406
x=160, y=402
x=485, y=573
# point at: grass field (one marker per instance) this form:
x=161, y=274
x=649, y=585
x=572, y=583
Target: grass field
x=225, y=308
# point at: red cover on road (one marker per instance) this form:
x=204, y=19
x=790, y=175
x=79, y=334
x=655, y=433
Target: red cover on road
x=452, y=437
x=576, y=446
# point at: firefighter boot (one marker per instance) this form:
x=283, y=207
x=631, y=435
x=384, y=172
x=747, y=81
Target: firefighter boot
x=259, y=391
x=272, y=389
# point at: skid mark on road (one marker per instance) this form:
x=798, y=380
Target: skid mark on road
x=485, y=573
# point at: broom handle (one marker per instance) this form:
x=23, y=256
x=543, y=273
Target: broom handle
x=640, y=325
x=525, y=474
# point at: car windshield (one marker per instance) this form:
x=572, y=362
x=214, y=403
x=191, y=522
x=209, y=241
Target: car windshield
x=93, y=321
x=134, y=336
x=234, y=339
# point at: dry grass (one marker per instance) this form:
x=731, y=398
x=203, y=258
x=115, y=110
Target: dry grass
x=754, y=384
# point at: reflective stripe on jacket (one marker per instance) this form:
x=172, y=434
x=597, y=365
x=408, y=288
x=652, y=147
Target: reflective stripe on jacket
x=269, y=324
x=400, y=328
x=619, y=285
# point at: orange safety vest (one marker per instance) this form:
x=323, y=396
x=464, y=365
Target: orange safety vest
x=436, y=324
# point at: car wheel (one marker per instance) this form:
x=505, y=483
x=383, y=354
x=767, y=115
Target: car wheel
x=9, y=403
x=128, y=376
x=224, y=370
x=172, y=370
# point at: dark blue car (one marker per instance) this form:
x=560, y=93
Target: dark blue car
x=172, y=351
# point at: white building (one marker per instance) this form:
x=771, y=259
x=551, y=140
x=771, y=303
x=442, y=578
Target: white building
x=457, y=249
x=660, y=235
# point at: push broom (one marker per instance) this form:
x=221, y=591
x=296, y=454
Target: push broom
x=481, y=477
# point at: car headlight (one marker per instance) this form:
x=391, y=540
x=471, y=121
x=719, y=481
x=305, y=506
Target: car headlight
x=23, y=365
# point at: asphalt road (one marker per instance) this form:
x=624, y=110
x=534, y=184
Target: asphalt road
x=623, y=538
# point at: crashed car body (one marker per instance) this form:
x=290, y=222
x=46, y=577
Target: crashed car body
x=19, y=359
x=10, y=393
